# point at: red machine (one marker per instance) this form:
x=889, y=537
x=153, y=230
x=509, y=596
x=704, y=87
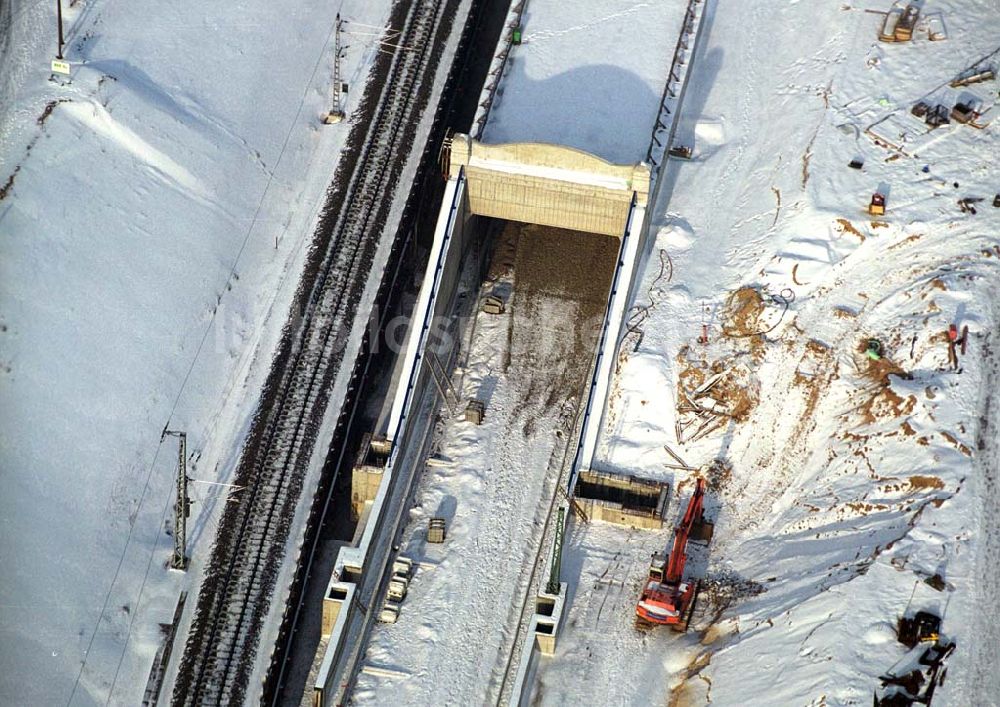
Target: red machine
x=666, y=598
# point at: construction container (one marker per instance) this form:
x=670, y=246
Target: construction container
x=493, y=305
x=877, y=205
x=903, y=31
x=436, y=530
x=962, y=113
x=389, y=613
x=516, y=37
x=937, y=116
x=475, y=411
x=398, y=586
x=402, y=566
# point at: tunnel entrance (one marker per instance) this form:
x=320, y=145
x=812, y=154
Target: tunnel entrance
x=549, y=185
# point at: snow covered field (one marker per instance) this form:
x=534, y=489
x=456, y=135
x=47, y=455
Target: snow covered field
x=588, y=75
x=843, y=483
x=154, y=217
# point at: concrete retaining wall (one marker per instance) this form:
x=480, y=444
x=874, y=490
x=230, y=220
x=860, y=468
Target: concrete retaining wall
x=361, y=569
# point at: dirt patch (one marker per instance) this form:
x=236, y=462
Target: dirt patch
x=926, y=482
x=5, y=189
x=689, y=692
x=879, y=370
x=953, y=441
x=848, y=227
x=557, y=307
x=886, y=404
x=908, y=239
x=719, y=473
x=817, y=347
x=742, y=313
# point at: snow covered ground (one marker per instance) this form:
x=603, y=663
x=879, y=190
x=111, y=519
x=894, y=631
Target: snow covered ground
x=588, y=75
x=843, y=484
x=154, y=213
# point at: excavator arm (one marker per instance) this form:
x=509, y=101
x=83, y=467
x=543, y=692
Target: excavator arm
x=678, y=554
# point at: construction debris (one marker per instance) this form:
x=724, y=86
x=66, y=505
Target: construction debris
x=966, y=204
x=898, y=24
x=976, y=77
x=682, y=152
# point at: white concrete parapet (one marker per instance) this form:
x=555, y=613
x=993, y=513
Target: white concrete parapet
x=611, y=335
x=543, y=630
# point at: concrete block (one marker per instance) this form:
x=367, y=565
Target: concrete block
x=475, y=411
x=436, y=530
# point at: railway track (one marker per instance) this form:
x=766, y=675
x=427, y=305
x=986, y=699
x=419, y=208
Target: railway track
x=235, y=598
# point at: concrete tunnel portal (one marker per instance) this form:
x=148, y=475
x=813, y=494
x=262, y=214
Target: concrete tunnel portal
x=547, y=185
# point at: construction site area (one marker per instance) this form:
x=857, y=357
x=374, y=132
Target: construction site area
x=495, y=481
x=655, y=438
x=643, y=354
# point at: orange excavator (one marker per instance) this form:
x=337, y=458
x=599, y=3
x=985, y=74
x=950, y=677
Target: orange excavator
x=667, y=599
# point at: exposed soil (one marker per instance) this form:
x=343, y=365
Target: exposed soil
x=848, y=227
x=742, y=313
x=557, y=265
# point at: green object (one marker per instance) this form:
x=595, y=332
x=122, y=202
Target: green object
x=553, y=585
x=517, y=35
x=874, y=349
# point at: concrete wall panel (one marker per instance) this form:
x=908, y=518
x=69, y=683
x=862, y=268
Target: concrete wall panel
x=549, y=185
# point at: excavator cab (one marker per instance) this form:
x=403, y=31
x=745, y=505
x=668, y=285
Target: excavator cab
x=657, y=567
